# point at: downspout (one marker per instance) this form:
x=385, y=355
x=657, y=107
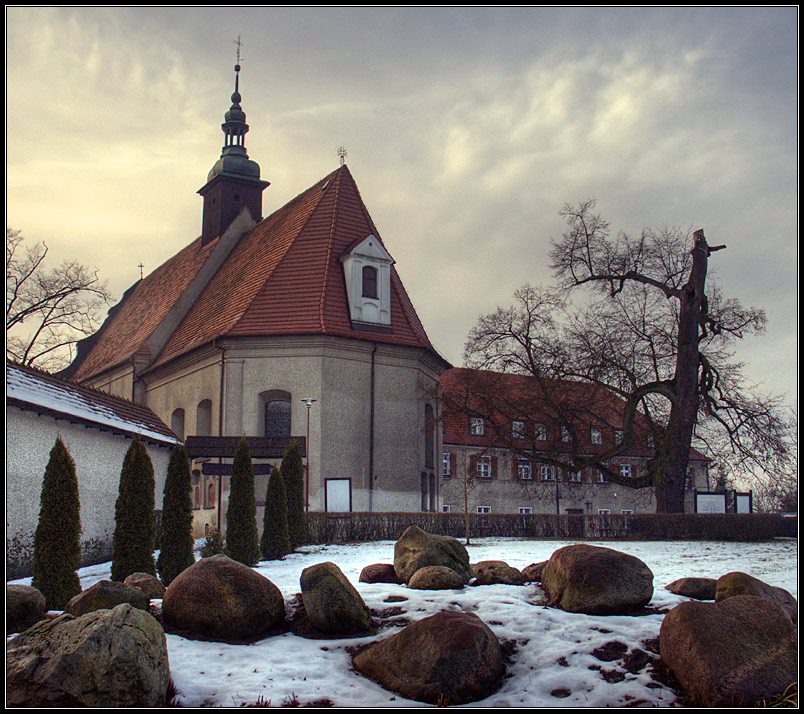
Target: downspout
x=371, y=431
x=220, y=428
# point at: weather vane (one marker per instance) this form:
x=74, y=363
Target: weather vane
x=238, y=43
x=342, y=155
x=140, y=266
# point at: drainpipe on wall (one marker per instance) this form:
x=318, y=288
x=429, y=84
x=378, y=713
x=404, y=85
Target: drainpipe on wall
x=220, y=428
x=371, y=432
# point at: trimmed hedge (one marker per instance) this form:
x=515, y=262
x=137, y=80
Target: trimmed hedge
x=359, y=527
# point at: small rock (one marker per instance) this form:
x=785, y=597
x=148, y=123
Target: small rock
x=149, y=584
x=491, y=572
x=533, y=572
x=697, y=588
x=25, y=606
x=436, y=577
x=738, y=583
x=105, y=595
x=379, y=573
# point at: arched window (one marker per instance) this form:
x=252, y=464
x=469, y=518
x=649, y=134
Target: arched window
x=211, y=495
x=276, y=413
x=370, y=282
x=203, y=418
x=177, y=423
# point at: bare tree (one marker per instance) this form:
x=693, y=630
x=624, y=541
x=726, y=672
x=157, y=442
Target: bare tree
x=650, y=333
x=47, y=311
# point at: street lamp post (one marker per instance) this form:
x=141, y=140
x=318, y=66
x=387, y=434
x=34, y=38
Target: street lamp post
x=309, y=403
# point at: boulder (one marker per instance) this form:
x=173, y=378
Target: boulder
x=449, y=658
x=490, y=572
x=332, y=604
x=596, y=581
x=221, y=599
x=105, y=595
x=697, y=588
x=108, y=658
x=149, y=584
x=737, y=583
x=379, y=573
x=436, y=577
x=730, y=653
x=416, y=549
x=25, y=606
x=533, y=572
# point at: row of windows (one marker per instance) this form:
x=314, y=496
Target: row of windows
x=484, y=468
x=477, y=427
x=527, y=510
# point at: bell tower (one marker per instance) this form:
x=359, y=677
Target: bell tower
x=234, y=180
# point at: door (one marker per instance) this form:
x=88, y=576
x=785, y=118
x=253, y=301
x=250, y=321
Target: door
x=338, y=497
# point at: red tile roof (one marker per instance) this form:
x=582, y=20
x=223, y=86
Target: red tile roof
x=502, y=398
x=283, y=277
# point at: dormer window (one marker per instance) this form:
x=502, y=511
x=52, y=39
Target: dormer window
x=367, y=271
x=370, y=282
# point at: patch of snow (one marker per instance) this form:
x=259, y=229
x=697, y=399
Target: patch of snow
x=553, y=664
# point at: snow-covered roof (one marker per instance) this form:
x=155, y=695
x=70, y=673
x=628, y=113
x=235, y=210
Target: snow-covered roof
x=35, y=390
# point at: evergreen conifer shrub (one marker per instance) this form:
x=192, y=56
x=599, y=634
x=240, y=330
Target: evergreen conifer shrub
x=176, y=534
x=293, y=475
x=57, y=542
x=135, y=525
x=242, y=542
x=213, y=543
x=275, y=542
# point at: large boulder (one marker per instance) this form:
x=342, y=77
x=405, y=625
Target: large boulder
x=447, y=659
x=491, y=572
x=730, y=653
x=108, y=658
x=104, y=595
x=697, y=588
x=379, y=573
x=596, y=581
x=221, y=599
x=25, y=606
x=331, y=603
x=149, y=584
x=436, y=577
x=737, y=583
x=416, y=549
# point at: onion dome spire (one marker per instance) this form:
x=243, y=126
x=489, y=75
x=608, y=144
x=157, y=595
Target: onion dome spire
x=233, y=183
x=234, y=160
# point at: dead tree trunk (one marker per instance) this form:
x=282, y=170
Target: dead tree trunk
x=672, y=458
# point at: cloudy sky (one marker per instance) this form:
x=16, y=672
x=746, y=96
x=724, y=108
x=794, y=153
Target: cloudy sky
x=467, y=130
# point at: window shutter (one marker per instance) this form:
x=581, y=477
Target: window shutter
x=473, y=466
x=515, y=467
x=493, y=467
x=453, y=464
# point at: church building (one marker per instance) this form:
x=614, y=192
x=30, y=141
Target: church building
x=293, y=325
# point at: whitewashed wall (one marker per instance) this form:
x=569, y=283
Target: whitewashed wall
x=98, y=457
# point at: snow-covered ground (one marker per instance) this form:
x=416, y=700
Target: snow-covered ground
x=552, y=665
